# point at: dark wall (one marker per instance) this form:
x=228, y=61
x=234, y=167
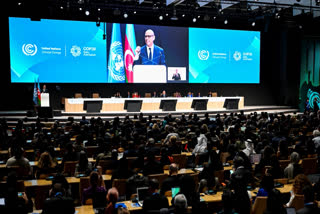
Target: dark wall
x=279, y=78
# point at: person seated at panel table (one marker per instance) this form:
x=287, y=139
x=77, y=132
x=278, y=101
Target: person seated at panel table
x=163, y=94
x=199, y=95
x=129, y=95
x=117, y=95
x=155, y=94
x=189, y=94
x=210, y=94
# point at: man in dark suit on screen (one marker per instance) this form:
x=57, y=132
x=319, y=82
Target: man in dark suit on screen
x=149, y=54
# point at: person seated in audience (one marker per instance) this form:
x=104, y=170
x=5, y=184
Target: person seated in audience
x=112, y=198
x=151, y=148
x=70, y=154
x=58, y=202
x=165, y=157
x=283, y=150
x=180, y=204
x=240, y=179
x=269, y=159
x=300, y=181
x=201, y=147
x=96, y=187
x=154, y=201
x=294, y=168
x=173, y=148
x=266, y=186
x=14, y=203
x=310, y=205
x=188, y=188
x=131, y=151
x=46, y=166
x=275, y=204
x=207, y=179
x=152, y=166
x=84, y=166
x=78, y=145
x=172, y=180
x=171, y=133
x=122, y=171
x=18, y=160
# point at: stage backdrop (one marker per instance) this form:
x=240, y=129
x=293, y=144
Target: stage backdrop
x=309, y=72
x=60, y=51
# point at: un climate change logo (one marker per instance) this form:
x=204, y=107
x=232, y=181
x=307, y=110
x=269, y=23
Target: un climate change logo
x=29, y=49
x=75, y=51
x=203, y=54
x=116, y=63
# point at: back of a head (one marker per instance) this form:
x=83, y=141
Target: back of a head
x=300, y=181
x=94, y=178
x=294, y=158
x=57, y=190
x=173, y=169
x=238, y=161
x=180, y=203
x=153, y=185
x=113, y=195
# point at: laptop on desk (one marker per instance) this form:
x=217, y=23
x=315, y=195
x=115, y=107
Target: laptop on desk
x=142, y=193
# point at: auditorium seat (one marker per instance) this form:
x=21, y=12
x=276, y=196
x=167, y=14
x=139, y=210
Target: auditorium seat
x=120, y=184
x=95, y=95
x=160, y=177
x=41, y=194
x=309, y=165
x=284, y=163
x=69, y=167
x=78, y=95
x=84, y=184
x=298, y=202
x=106, y=165
x=180, y=160
x=260, y=205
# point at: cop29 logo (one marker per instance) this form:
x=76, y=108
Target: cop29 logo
x=237, y=55
x=203, y=54
x=29, y=49
x=75, y=51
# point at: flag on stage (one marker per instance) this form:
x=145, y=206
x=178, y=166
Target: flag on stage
x=129, y=47
x=35, y=93
x=116, y=73
x=38, y=93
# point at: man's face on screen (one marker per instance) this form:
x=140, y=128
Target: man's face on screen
x=149, y=37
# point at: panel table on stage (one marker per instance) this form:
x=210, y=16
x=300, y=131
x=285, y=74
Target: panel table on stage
x=148, y=104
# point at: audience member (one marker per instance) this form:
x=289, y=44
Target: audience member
x=155, y=201
x=172, y=180
x=95, y=189
x=300, y=181
x=293, y=169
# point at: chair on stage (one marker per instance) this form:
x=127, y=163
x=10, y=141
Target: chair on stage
x=148, y=95
x=214, y=94
x=95, y=95
x=78, y=95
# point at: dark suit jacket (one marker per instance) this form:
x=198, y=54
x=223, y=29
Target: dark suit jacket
x=61, y=205
x=155, y=202
x=169, y=182
x=158, y=57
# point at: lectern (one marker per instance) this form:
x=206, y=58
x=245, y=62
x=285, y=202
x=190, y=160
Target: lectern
x=199, y=104
x=132, y=105
x=231, y=103
x=168, y=105
x=92, y=105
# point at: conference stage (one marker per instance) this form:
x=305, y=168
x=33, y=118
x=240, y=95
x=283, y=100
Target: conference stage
x=80, y=105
